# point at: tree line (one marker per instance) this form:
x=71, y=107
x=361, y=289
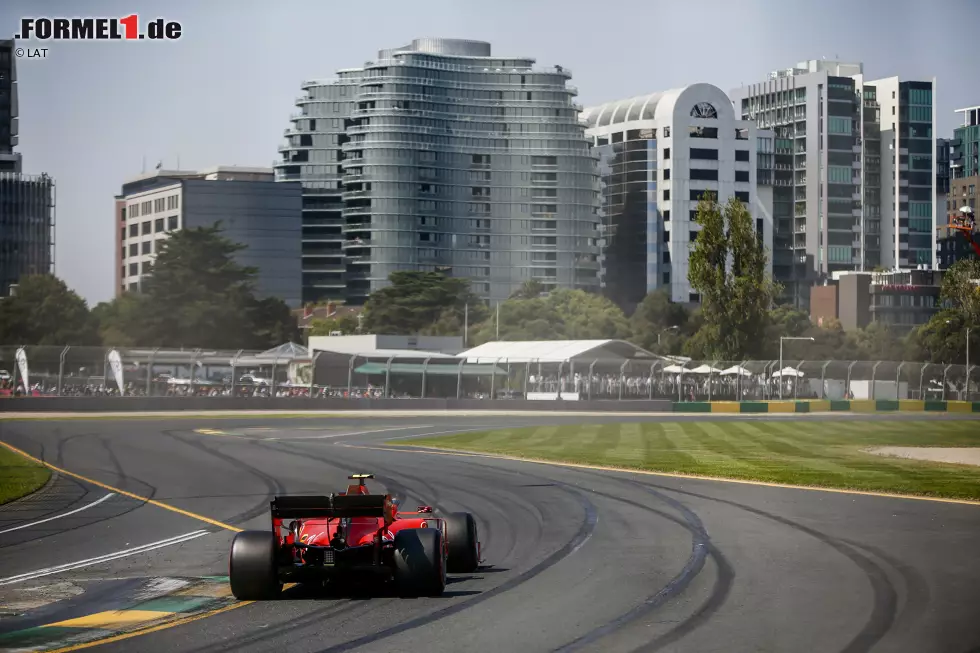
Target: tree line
x=197, y=296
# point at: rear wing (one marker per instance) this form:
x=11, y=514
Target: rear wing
x=332, y=506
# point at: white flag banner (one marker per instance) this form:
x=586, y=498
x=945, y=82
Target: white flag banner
x=21, y=357
x=115, y=362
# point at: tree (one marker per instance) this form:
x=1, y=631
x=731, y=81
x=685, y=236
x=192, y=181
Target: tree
x=427, y=303
x=562, y=314
x=961, y=288
x=658, y=324
x=45, y=312
x=943, y=338
x=197, y=295
x=728, y=270
x=530, y=289
x=324, y=326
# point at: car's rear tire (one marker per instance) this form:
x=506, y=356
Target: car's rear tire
x=420, y=562
x=252, y=566
x=463, y=543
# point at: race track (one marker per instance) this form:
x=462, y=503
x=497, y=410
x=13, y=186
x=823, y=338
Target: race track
x=578, y=560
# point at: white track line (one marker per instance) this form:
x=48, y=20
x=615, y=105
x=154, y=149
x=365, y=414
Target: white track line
x=41, y=521
x=341, y=435
x=103, y=558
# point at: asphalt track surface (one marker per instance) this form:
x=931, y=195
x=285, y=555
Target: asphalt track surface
x=576, y=559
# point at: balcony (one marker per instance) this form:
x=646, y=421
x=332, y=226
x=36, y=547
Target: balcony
x=356, y=243
x=352, y=211
x=354, y=194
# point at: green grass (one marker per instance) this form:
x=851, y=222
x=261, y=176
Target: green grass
x=19, y=476
x=811, y=453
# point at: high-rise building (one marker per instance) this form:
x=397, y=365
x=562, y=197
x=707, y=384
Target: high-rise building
x=908, y=171
x=440, y=156
x=965, y=155
x=964, y=180
x=251, y=208
x=659, y=154
x=26, y=201
x=855, y=178
x=819, y=225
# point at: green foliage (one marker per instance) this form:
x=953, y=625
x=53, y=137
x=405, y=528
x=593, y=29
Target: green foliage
x=530, y=289
x=658, y=324
x=428, y=303
x=561, y=315
x=45, y=312
x=346, y=324
x=198, y=296
x=943, y=338
x=735, y=298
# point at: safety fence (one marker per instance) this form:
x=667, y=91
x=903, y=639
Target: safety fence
x=294, y=373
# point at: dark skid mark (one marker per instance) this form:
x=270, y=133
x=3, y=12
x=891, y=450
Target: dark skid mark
x=885, y=607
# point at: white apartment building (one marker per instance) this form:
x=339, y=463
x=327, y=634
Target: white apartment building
x=658, y=154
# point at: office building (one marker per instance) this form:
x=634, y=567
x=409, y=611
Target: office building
x=659, y=154
x=870, y=145
x=27, y=202
x=251, y=208
x=908, y=172
x=900, y=300
x=965, y=154
x=963, y=181
x=439, y=156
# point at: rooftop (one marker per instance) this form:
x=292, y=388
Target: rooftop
x=556, y=351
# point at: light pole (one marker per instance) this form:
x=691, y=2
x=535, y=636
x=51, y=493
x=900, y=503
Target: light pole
x=967, y=372
x=781, y=339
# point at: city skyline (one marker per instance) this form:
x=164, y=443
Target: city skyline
x=208, y=100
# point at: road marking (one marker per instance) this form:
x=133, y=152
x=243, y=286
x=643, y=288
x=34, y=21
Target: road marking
x=103, y=558
x=110, y=618
x=41, y=521
x=647, y=472
x=340, y=435
x=152, y=629
x=152, y=502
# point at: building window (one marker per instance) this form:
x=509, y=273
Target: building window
x=147, y=226
x=667, y=195
x=134, y=249
x=666, y=236
x=666, y=278
x=704, y=175
x=158, y=225
x=134, y=230
x=694, y=297
x=697, y=194
x=666, y=174
x=742, y=175
x=703, y=132
x=666, y=153
x=146, y=248
x=741, y=155
x=742, y=196
x=666, y=257
x=666, y=215
x=134, y=269
x=692, y=236
x=704, y=154
x=171, y=223
x=666, y=132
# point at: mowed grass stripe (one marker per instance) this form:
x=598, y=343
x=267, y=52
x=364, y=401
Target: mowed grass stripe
x=790, y=452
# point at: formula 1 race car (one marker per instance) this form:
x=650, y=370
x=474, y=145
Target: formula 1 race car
x=351, y=535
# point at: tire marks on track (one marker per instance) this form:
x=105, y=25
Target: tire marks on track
x=884, y=609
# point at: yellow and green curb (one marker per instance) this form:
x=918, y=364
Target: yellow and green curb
x=204, y=596
x=825, y=406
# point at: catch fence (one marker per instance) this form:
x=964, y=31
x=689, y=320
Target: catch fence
x=91, y=371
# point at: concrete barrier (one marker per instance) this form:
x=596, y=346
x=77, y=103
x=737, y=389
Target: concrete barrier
x=301, y=404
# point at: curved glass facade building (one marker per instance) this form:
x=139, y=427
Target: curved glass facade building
x=441, y=157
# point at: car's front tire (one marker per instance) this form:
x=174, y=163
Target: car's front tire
x=252, y=567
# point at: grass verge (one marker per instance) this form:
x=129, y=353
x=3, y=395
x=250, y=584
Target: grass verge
x=809, y=453
x=19, y=476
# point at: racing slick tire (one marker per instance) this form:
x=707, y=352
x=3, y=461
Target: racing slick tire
x=252, y=567
x=463, y=543
x=420, y=562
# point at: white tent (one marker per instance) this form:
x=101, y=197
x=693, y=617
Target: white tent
x=704, y=369
x=788, y=371
x=736, y=369
x=674, y=369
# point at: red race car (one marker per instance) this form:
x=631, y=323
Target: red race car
x=346, y=536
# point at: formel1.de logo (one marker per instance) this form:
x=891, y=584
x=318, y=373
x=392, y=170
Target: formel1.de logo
x=127, y=28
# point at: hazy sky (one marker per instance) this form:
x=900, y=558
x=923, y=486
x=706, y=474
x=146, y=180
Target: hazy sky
x=222, y=94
